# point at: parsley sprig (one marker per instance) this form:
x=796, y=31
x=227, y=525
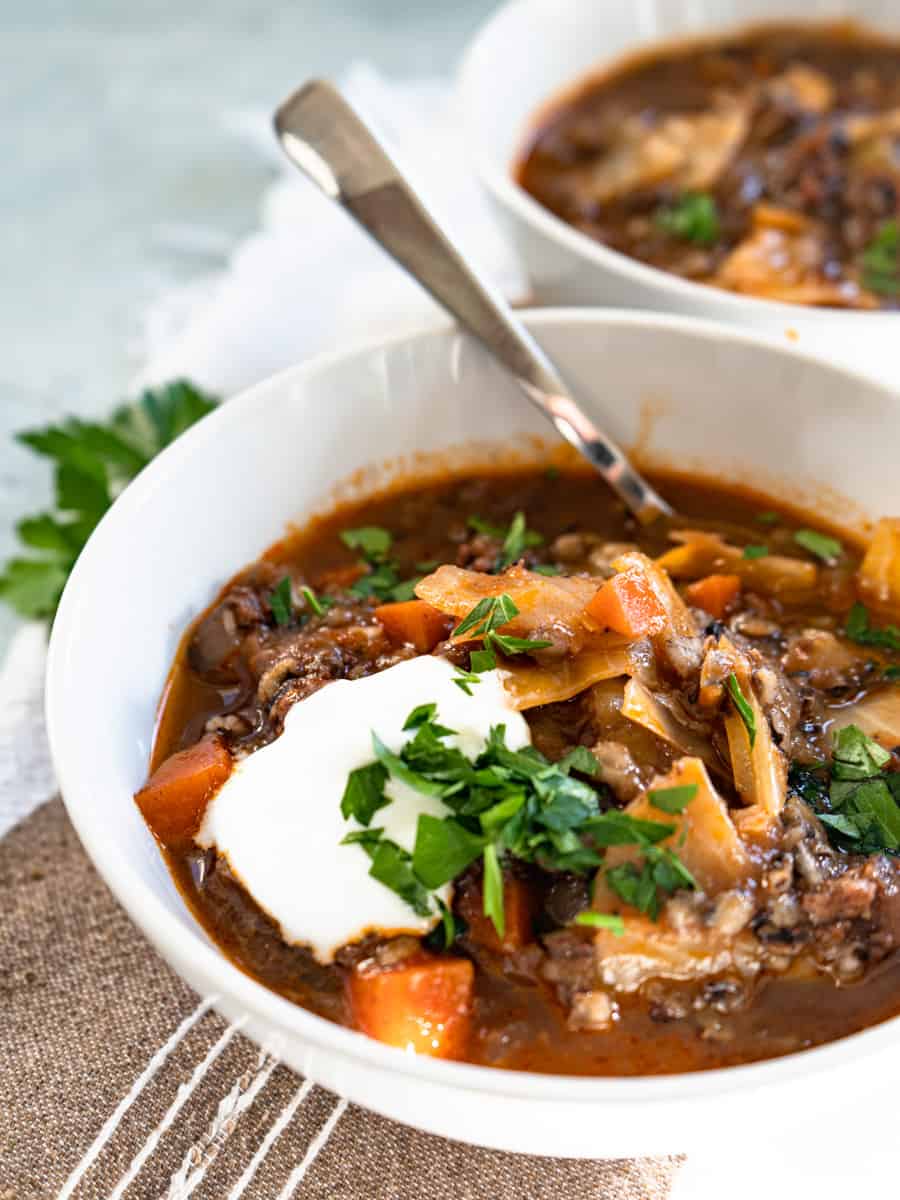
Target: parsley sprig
x=505, y=802
x=484, y=621
x=382, y=578
x=93, y=463
x=743, y=707
x=859, y=629
x=514, y=541
x=693, y=217
x=856, y=798
x=881, y=261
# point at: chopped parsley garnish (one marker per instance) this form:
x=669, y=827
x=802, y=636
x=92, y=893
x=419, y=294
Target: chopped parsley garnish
x=489, y=615
x=744, y=710
x=858, y=801
x=881, y=261
x=372, y=541
x=281, y=603
x=661, y=873
x=693, y=217
x=382, y=579
x=318, y=604
x=546, y=569
x=858, y=629
x=891, y=672
x=756, y=551
x=673, y=799
x=504, y=802
x=364, y=793
x=820, y=544
x=596, y=920
x=768, y=518
x=93, y=463
x=515, y=540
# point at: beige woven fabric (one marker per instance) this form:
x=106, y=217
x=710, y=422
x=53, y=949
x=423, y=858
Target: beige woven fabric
x=85, y=1008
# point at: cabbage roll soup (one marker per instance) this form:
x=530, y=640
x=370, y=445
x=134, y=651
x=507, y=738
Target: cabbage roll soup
x=766, y=163
x=488, y=772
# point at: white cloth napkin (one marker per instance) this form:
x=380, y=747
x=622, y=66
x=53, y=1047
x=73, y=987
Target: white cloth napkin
x=308, y=281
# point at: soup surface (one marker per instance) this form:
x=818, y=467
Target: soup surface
x=766, y=163
x=685, y=858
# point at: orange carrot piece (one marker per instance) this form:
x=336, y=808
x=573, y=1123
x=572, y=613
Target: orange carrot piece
x=518, y=908
x=424, y=1006
x=715, y=594
x=415, y=622
x=627, y=604
x=174, y=798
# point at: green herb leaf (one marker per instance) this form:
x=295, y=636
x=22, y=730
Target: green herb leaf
x=488, y=614
x=546, y=569
x=493, y=890
x=372, y=541
x=94, y=462
x=318, y=604
x=443, y=849
x=580, y=759
x=281, y=603
x=482, y=660
x=398, y=769
x=392, y=866
x=364, y=793
x=424, y=714
x=859, y=629
x=856, y=756
x=881, y=261
x=694, y=217
x=673, y=799
x=768, y=518
x=744, y=710
x=514, y=645
x=518, y=538
x=756, y=551
x=827, y=548
x=617, y=828
x=596, y=920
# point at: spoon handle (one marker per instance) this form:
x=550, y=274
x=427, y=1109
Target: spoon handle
x=323, y=136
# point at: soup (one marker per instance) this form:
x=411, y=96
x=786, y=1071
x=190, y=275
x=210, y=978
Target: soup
x=489, y=772
x=765, y=163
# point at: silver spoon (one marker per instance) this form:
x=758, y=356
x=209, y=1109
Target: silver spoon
x=323, y=136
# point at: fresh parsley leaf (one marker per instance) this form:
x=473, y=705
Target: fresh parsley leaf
x=881, y=261
x=492, y=888
x=488, y=614
x=579, y=759
x=398, y=769
x=371, y=540
x=693, y=217
x=318, y=604
x=280, y=602
x=828, y=549
x=745, y=712
x=514, y=645
x=443, y=849
x=465, y=679
x=482, y=660
x=596, y=920
x=891, y=672
x=858, y=629
x=673, y=799
x=546, y=569
x=392, y=866
x=444, y=935
x=856, y=756
x=424, y=714
x=94, y=462
x=660, y=874
x=768, y=518
x=518, y=538
x=364, y=793
x=756, y=551
x=617, y=828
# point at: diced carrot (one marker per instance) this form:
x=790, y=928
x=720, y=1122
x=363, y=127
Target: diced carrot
x=424, y=1006
x=715, y=594
x=415, y=622
x=518, y=908
x=628, y=604
x=174, y=798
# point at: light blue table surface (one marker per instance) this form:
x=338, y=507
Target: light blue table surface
x=112, y=131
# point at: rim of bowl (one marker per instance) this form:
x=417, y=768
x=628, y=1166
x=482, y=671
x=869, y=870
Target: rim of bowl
x=509, y=194
x=168, y=932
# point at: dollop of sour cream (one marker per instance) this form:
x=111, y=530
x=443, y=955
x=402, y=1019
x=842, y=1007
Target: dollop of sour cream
x=277, y=818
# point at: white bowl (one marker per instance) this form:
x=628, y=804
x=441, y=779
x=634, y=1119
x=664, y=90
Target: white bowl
x=693, y=396
x=531, y=50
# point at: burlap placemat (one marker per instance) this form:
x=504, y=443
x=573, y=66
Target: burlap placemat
x=115, y=1080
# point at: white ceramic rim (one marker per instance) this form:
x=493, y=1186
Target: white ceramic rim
x=508, y=194
x=166, y=931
